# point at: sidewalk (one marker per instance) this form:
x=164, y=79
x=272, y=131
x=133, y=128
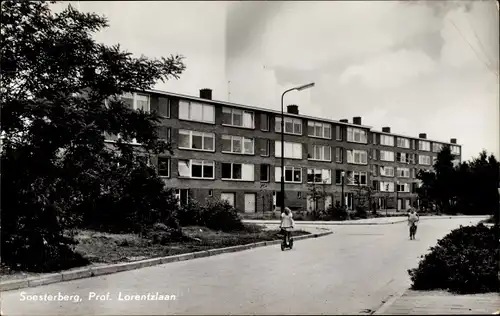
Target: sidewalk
x=369, y=221
x=441, y=303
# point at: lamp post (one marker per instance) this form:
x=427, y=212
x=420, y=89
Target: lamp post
x=282, y=197
x=343, y=198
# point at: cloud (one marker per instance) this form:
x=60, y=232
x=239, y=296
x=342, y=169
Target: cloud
x=390, y=70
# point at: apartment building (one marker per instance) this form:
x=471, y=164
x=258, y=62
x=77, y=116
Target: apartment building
x=232, y=151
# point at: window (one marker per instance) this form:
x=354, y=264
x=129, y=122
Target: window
x=403, y=187
x=338, y=133
x=413, y=144
x=375, y=185
x=195, y=111
x=437, y=147
x=237, y=145
x=356, y=135
x=386, y=186
x=323, y=176
x=299, y=195
x=374, y=170
x=292, y=150
x=237, y=171
x=338, y=154
x=228, y=197
x=434, y=159
x=402, y=157
x=292, y=125
x=403, y=172
x=424, y=160
x=317, y=129
x=338, y=176
x=386, y=140
x=236, y=117
x=356, y=177
x=403, y=142
x=292, y=174
x=455, y=150
x=424, y=145
x=358, y=157
x=386, y=155
x=320, y=152
x=196, y=169
x=196, y=140
x=374, y=154
x=264, y=122
x=210, y=192
x=411, y=158
x=264, y=172
x=164, y=166
x=374, y=139
x=456, y=162
x=386, y=171
x=265, y=147
x=136, y=101
x=413, y=173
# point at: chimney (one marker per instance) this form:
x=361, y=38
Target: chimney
x=422, y=135
x=356, y=120
x=292, y=109
x=453, y=140
x=386, y=129
x=344, y=121
x=206, y=94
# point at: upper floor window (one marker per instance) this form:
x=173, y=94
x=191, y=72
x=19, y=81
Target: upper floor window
x=196, y=140
x=455, y=150
x=403, y=172
x=403, y=187
x=386, y=140
x=196, y=169
x=402, y=157
x=424, y=160
x=237, y=171
x=437, y=147
x=374, y=139
x=338, y=132
x=136, y=101
x=359, y=157
x=338, y=154
x=424, y=145
x=356, y=178
x=386, y=155
x=292, y=150
x=356, y=135
x=237, y=117
x=403, y=142
x=164, y=166
x=292, y=174
x=237, y=144
x=323, y=176
x=386, y=171
x=195, y=111
x=386, y=186
x=320, y=152
x=317, y=129
x=292, y=125
x=264, y=121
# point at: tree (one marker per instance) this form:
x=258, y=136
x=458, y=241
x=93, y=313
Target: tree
x=445, y=185
x=317, y=193
x=58, y=97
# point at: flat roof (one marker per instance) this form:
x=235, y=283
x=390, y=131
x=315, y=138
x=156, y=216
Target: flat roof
x=256, y=108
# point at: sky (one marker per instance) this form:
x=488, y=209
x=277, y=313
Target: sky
x=417, y=67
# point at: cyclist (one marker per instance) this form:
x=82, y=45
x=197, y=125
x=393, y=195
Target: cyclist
x=286, y=224
x=412, y=222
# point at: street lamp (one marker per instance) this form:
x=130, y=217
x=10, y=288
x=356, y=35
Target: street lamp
x=299, y=88
x=343, y=198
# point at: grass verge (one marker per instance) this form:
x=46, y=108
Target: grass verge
x=106, y=248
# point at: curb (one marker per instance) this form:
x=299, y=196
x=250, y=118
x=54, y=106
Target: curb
x=392, y=299
x=127, y=266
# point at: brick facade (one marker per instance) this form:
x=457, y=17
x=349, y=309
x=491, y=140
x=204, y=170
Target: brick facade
x=167, y=105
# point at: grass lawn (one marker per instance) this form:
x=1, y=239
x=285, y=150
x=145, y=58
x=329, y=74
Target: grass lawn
x=106, y=248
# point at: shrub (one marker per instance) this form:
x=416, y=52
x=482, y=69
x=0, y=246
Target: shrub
x=337, y=213
x=221, y=215
x=465, y=261
x=215, y=214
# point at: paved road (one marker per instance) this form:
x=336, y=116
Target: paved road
x=355, y=269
